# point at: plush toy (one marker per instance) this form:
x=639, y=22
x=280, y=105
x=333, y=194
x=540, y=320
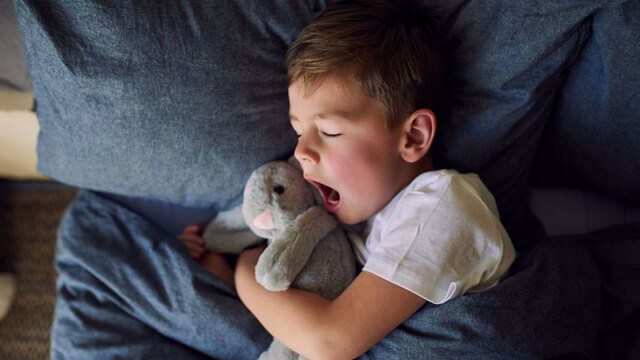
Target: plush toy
x=307, y=247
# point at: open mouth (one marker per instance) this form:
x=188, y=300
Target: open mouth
x=330, y=196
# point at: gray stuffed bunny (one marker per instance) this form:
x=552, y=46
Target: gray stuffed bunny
x=307, y=247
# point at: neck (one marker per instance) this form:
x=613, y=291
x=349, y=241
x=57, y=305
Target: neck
x=413, y=170
x=425, y=164
x=421, y=166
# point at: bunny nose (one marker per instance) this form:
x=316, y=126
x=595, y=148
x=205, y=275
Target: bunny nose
x=264, y=221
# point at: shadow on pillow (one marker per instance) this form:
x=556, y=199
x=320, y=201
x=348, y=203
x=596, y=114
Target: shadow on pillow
x=593, y=139
x=507, y=62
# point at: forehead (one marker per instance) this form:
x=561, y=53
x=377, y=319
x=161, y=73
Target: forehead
x=332, y=95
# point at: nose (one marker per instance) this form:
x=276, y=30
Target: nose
x=305, y=152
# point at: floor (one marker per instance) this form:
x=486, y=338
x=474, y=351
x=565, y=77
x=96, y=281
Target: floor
x=29, y=217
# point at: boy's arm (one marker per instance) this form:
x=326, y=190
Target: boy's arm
x=191, y=237
x=316, y=328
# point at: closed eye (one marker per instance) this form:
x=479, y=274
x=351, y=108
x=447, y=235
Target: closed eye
x=326, y=134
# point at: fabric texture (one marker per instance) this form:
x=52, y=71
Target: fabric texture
x=126, y=290
x=30, y=213
x=142, y=101
x=440, y=237
x=174, y=101
x=593, y=138
x=506, y=63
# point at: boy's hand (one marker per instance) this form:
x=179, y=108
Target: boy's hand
x=191, y=237
x=217, y=264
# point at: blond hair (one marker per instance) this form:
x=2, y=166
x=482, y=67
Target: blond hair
x=388, y=50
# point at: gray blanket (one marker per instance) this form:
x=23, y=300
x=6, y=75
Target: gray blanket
x=127, y=290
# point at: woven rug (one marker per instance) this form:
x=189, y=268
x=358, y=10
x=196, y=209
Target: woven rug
x=29, y=217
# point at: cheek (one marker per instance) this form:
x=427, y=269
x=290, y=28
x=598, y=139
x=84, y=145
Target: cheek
x=344, y=166
x=360, y=167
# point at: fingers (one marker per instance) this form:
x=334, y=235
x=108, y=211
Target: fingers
x=212, y=259
x=219, y=266
x=194, y=229
x=194, y=243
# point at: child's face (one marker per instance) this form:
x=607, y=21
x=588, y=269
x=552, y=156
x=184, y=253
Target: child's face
x=346, y=150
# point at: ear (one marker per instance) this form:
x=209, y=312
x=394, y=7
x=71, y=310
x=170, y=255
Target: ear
x=418, y=132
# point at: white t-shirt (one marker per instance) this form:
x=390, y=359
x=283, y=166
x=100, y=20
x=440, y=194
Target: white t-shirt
x=440, y=237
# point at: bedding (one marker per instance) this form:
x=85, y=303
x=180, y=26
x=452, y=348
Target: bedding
x=147, y=299
x=591, y=140
x=100, y=94
x=160, y=111
x=151, y=93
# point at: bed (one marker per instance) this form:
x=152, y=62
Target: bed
x=159, y=111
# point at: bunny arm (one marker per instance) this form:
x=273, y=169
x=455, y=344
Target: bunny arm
x=228, y=233
x=286, y=255
x=231, y=242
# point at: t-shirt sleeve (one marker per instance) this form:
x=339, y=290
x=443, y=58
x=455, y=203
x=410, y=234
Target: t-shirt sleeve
x=442, y=241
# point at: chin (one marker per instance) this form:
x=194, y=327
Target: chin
x=348, y=220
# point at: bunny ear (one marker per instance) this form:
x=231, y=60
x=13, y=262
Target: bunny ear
x=264, y=221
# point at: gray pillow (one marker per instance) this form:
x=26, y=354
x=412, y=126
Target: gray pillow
x=176, y=101
x=507, y=61
x=593, y=139
x=181, y=101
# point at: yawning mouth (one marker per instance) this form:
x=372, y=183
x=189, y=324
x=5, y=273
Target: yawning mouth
x=330, y=196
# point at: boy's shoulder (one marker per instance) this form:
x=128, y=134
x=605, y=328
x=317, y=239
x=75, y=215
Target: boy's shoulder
x=461, y=188
x=444, y=178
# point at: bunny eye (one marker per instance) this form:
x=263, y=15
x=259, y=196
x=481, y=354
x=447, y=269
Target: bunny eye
x=278, y=189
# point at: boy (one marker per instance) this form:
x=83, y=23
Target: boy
x=365, y=78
